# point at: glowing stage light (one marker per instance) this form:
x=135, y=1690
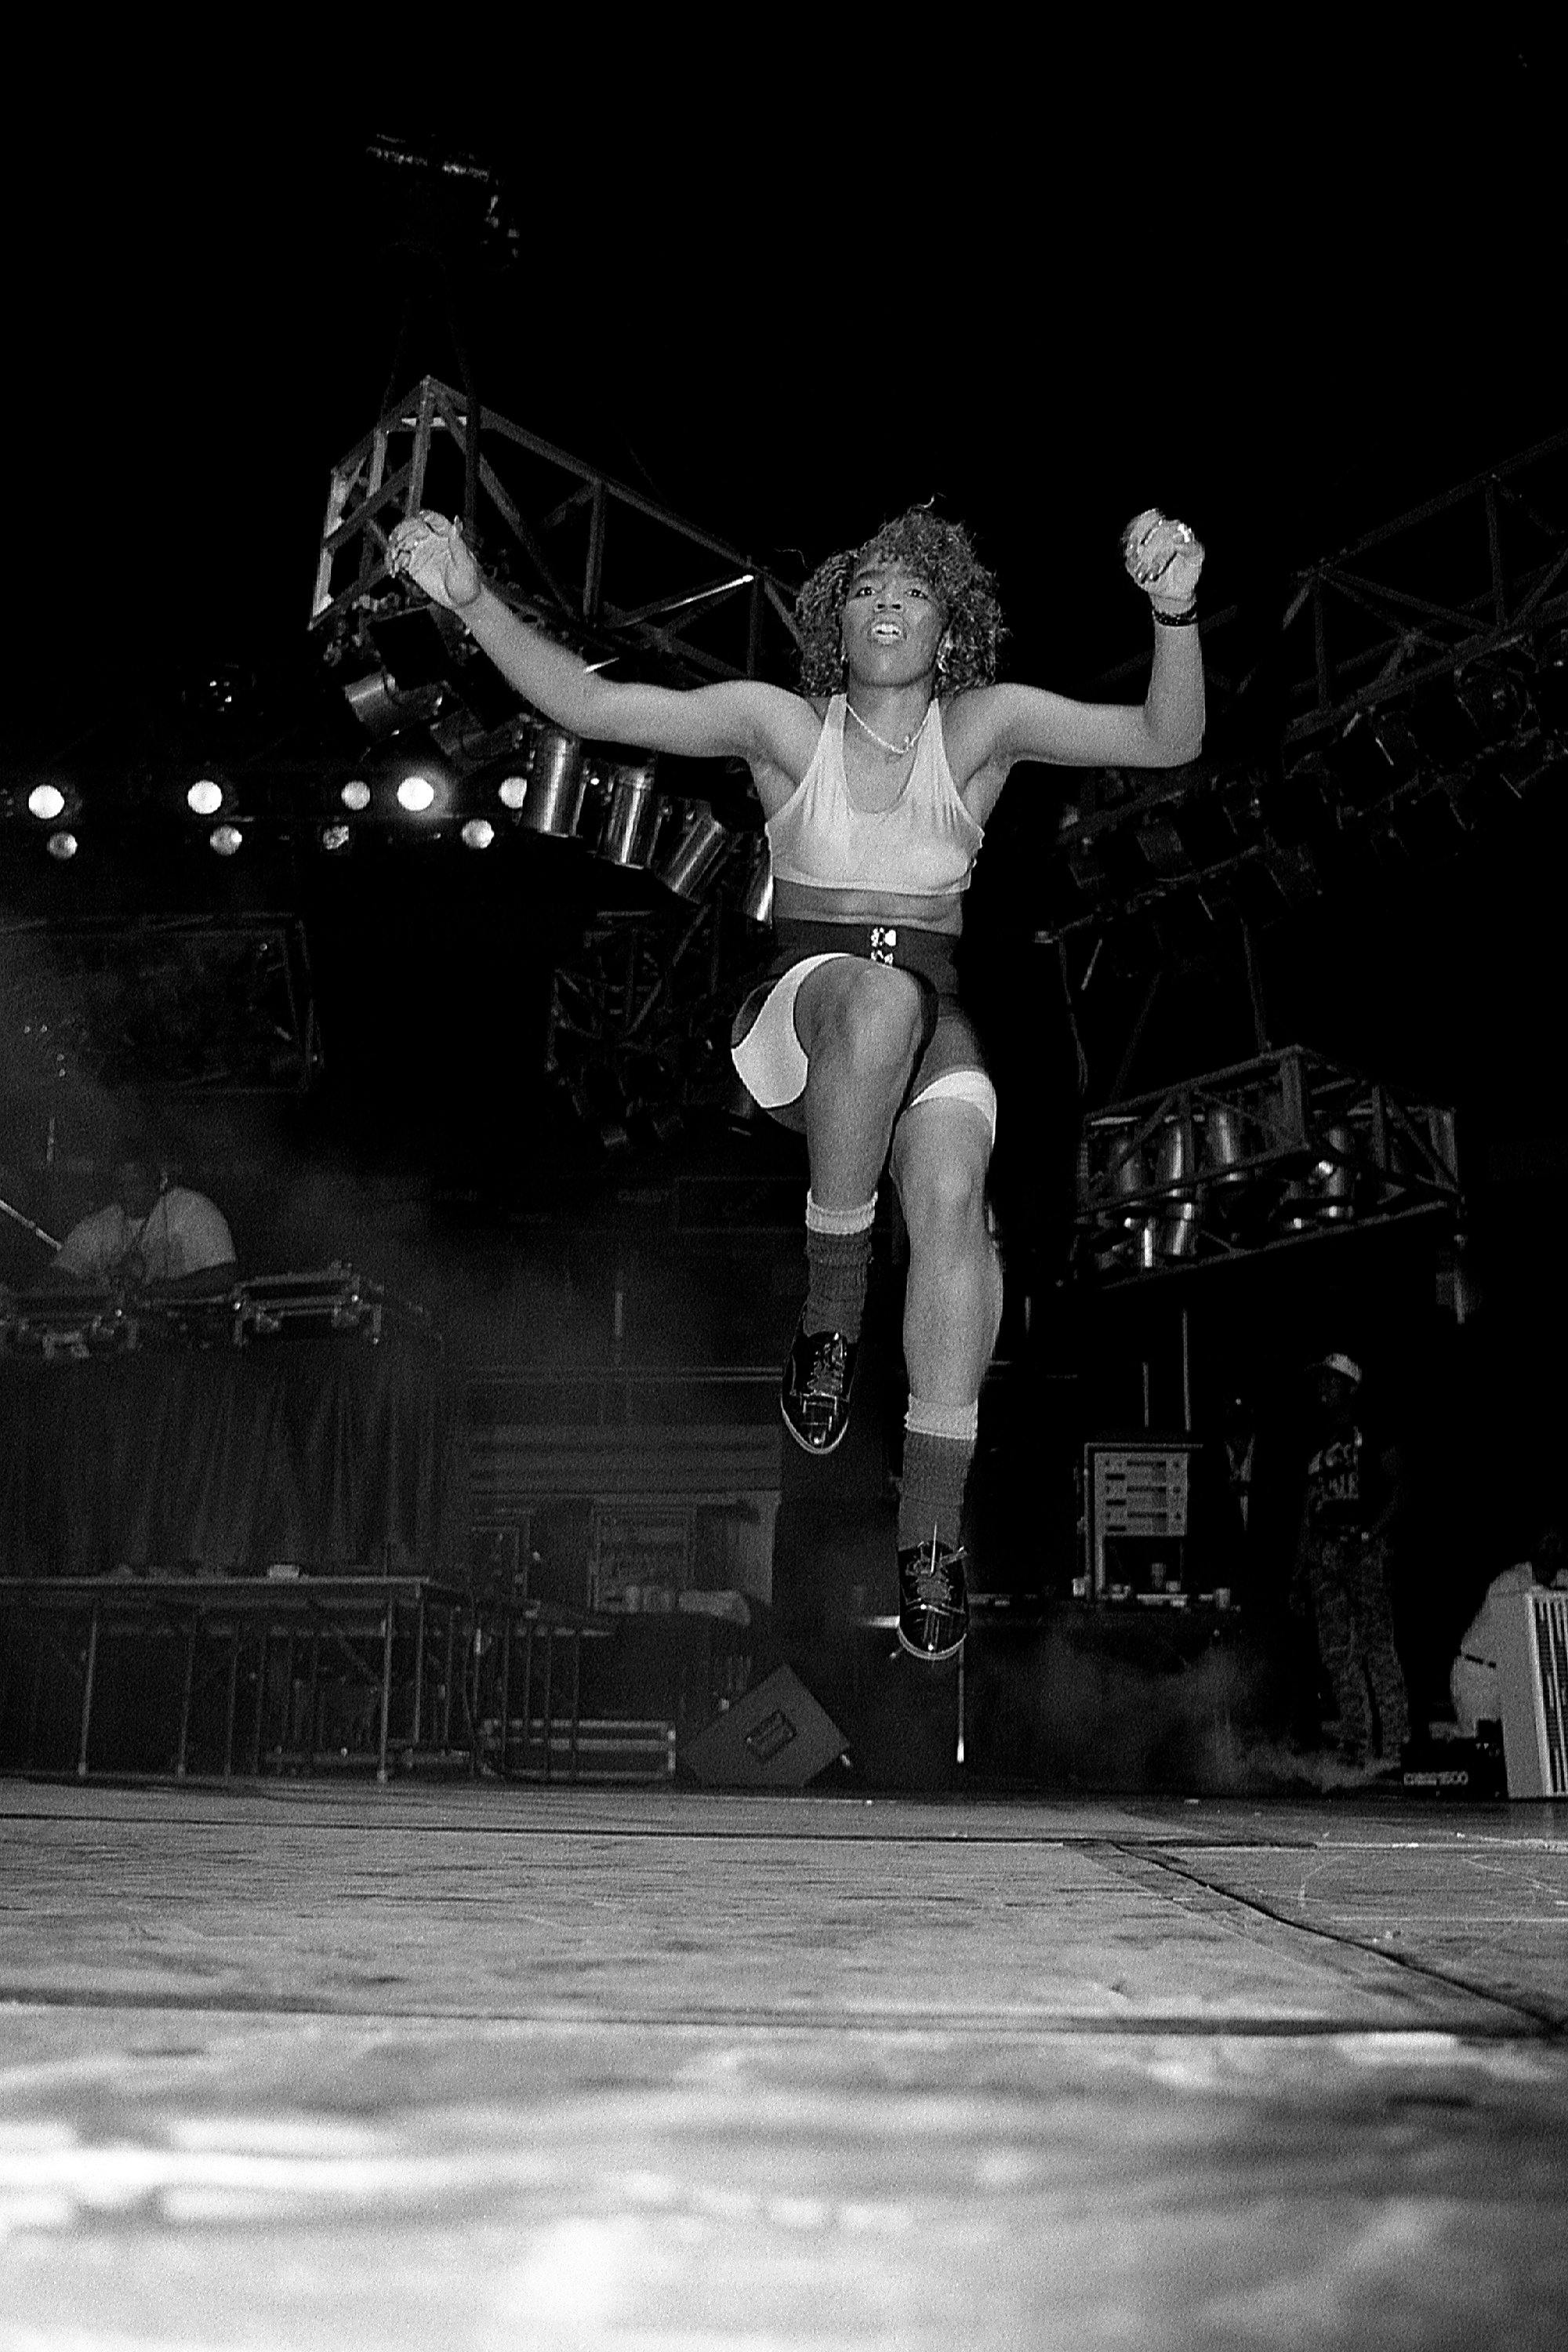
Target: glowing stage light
x=225, y=839
x=411, y=776
x=62, y=844
x=512, y=791
x=46, y=802
x=205, y=798
x=478, y=833
x=355, y=795
x=335, y=838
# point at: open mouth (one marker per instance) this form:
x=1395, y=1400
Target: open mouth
x=886, y=631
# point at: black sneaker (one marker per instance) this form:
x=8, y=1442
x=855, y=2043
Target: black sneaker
x=814, y=1395
x=933, y=1609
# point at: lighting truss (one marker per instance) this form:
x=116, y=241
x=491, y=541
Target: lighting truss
x=201, y=1004
x=1452, y=582
x=565, y=544
x=639, y=1016
x=1417, y=669
x=1257, y=1155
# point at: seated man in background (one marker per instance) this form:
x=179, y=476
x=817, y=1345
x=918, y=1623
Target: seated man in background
x=1473, y=1676
x=152, y=1232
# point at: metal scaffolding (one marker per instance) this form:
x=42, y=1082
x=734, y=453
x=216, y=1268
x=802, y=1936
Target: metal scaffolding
x=566, y=545
x=639, y=1018
x=1251, y=1158
x=1416, y=679
x=1452, y=582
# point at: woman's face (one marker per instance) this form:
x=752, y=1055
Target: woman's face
x=893, y=624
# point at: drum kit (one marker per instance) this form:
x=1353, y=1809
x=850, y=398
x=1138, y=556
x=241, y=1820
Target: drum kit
x=558, y=791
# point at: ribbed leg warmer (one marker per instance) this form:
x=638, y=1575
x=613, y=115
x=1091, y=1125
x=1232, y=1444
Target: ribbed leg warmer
x=838, y=1259
x=939, y=1446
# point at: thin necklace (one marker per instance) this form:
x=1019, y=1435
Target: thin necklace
x=898, y=750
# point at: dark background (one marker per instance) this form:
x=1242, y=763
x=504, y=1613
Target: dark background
x=1284, y=292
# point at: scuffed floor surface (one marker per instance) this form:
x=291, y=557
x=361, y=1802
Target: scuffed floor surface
x=315, y=2067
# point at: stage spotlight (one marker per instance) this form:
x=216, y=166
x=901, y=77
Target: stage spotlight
x=46, y=802
x=512, y=791
x=205, y=798
x=225, y=839
x=62, y=844
x=355, y=795
x=478, y=833
x=336, y=838
x=411, y=777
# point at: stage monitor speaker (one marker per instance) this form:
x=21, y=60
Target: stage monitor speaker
x=1533, y=1684
x=775, y=1738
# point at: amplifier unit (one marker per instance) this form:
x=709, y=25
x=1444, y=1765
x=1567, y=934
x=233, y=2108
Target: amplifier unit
x=1533, y=1680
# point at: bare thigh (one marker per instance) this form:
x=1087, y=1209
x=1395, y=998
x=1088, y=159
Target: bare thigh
x=847, y=999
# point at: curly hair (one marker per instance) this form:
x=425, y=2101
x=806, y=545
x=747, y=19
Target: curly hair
x=941, y=553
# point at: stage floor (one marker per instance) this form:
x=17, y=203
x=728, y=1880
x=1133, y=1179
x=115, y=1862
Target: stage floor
x=310, y=2065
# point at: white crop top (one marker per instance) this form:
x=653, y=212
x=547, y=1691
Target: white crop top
x=923, y=846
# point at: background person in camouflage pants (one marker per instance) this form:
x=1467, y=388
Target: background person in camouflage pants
x=1354, y=1494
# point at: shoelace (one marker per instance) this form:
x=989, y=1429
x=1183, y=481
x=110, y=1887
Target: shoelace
x=826, y=1375
x=935, y=1586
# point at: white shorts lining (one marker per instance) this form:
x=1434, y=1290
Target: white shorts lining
x=773, y=1066
x=964, y=1086
x=770, y=1058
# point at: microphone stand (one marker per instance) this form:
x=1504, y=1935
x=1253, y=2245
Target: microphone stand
x=27, y=1225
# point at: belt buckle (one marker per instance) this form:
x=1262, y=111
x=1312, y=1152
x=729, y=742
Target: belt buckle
x=884, y=942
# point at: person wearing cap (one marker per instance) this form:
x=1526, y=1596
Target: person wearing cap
x=1354, y=1492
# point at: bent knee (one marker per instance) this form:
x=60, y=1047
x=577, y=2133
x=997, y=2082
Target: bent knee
x=944, y=1193
x=873, y=1017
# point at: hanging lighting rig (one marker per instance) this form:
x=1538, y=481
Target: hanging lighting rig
x=1267, y=1153
x=1416, y=684
x=1417, y=688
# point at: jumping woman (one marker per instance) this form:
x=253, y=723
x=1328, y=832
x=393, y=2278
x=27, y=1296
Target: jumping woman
x=876, y=779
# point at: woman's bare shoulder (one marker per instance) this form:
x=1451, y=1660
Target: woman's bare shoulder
x=779, y=765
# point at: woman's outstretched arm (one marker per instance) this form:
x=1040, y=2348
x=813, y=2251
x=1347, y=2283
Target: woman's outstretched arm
x=740, y=719
x=1007, y=723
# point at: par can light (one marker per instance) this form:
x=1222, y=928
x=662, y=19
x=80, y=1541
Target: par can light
x=335, y=838
x=478, y=833
x=355, y=795
x=62, y=844
x=512, y=791
x=46, y=802
x=225, y=839
x=415, y=794
x=205, y=798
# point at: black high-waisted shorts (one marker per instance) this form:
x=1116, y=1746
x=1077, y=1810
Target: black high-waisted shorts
x=767, y=1051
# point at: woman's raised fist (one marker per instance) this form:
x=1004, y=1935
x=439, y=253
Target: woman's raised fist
x=433, y=554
